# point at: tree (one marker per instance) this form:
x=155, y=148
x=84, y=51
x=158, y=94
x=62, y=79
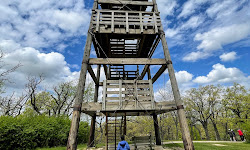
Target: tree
x=198, y=101
x=11, y=105
x=237, y=100
x=5, y=72
x=32, y=91
x=63, y=97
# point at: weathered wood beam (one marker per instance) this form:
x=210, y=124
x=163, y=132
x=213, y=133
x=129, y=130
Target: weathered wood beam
x=92, y=74
x=141, y=45
x=106, y=71
x=126, y=61
x=154, y=47
x=145, y=69
x=159, y=72
x=144, y=3
x=157, y=130
x=128, y=105
x=72, y=138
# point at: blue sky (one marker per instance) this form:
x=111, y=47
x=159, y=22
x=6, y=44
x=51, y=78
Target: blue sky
x=209, y=40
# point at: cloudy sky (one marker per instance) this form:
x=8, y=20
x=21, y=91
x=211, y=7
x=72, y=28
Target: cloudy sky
x=209, y=40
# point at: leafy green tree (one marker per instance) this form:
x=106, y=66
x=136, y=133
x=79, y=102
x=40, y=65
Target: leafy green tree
x=237, y=100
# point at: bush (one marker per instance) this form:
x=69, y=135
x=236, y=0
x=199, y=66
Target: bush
x=29, y=132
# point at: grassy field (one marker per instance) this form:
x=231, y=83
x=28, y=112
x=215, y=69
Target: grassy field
x=81, y=146
x=212, y=146
x=175, y=146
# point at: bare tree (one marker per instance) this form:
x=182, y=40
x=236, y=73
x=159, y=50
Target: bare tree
x=4, y=74
x=32, y=91
x=11, y=105
x=64, y=96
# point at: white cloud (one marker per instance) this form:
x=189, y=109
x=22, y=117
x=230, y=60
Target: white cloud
x=190, y=6
x=166, y=7
x=222, y=9
x=42, y=23
x=193, y=22
x=221, y=74
x=217, y=37
x=194, y=56
x=231, y=56
x=173, y=33
x=184, y=80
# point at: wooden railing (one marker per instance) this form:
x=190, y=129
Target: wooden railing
x=113, y=21
x=128, y=94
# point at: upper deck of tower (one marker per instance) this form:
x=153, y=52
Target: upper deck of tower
x=126, y=17
x=125, y=28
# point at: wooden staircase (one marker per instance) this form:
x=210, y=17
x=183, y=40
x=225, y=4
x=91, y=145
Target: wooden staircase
x=115, y=127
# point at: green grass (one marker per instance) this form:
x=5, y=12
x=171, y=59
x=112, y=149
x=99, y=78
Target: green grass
x=81, y=146
x=210, y=146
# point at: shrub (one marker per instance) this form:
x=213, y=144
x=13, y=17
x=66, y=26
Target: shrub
x=29, y=132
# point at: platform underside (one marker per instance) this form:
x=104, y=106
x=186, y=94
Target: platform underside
x=116, y=46
x=129, y=109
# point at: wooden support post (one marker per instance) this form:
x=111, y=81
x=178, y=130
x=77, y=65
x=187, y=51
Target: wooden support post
x=97, y=21
x=104, y=95
x=106, y=71
x=91, y=141
x=141, y=22
x=157, y=130
x=72, y=139
x=151, y=94
x=149, y=73
x=127, y=25
x=120, y=94
x=112, y=22
x=125, y=125
x=107, y=131
x=187, y=141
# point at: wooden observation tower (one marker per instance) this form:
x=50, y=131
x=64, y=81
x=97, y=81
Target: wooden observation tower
x=125, y=34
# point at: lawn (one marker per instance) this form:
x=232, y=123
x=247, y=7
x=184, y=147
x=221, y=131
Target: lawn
x=81, y=146
x=212, y=146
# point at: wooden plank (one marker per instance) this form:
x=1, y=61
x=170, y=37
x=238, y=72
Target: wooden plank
x=159, y=72
x=127, y=26
x=127, y=81
x=123, y=31
x=92, y=74
x=120, y=93
x=128, y=105
x=112, y=22
x=143, y=3
x=136, y=94
x=104, y=95
x=151, y=93
x=126, y=61
x=127, y=86
x=112, y=92
x=141, y=25
x=156, y=28
x=97, y=20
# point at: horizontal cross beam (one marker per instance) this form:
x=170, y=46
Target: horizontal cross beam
x=125, y=2
x=126, y=61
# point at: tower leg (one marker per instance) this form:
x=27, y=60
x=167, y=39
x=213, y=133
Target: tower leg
x=187, y=141
x=91, y=141
x=157, y=131
x=72, y=139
